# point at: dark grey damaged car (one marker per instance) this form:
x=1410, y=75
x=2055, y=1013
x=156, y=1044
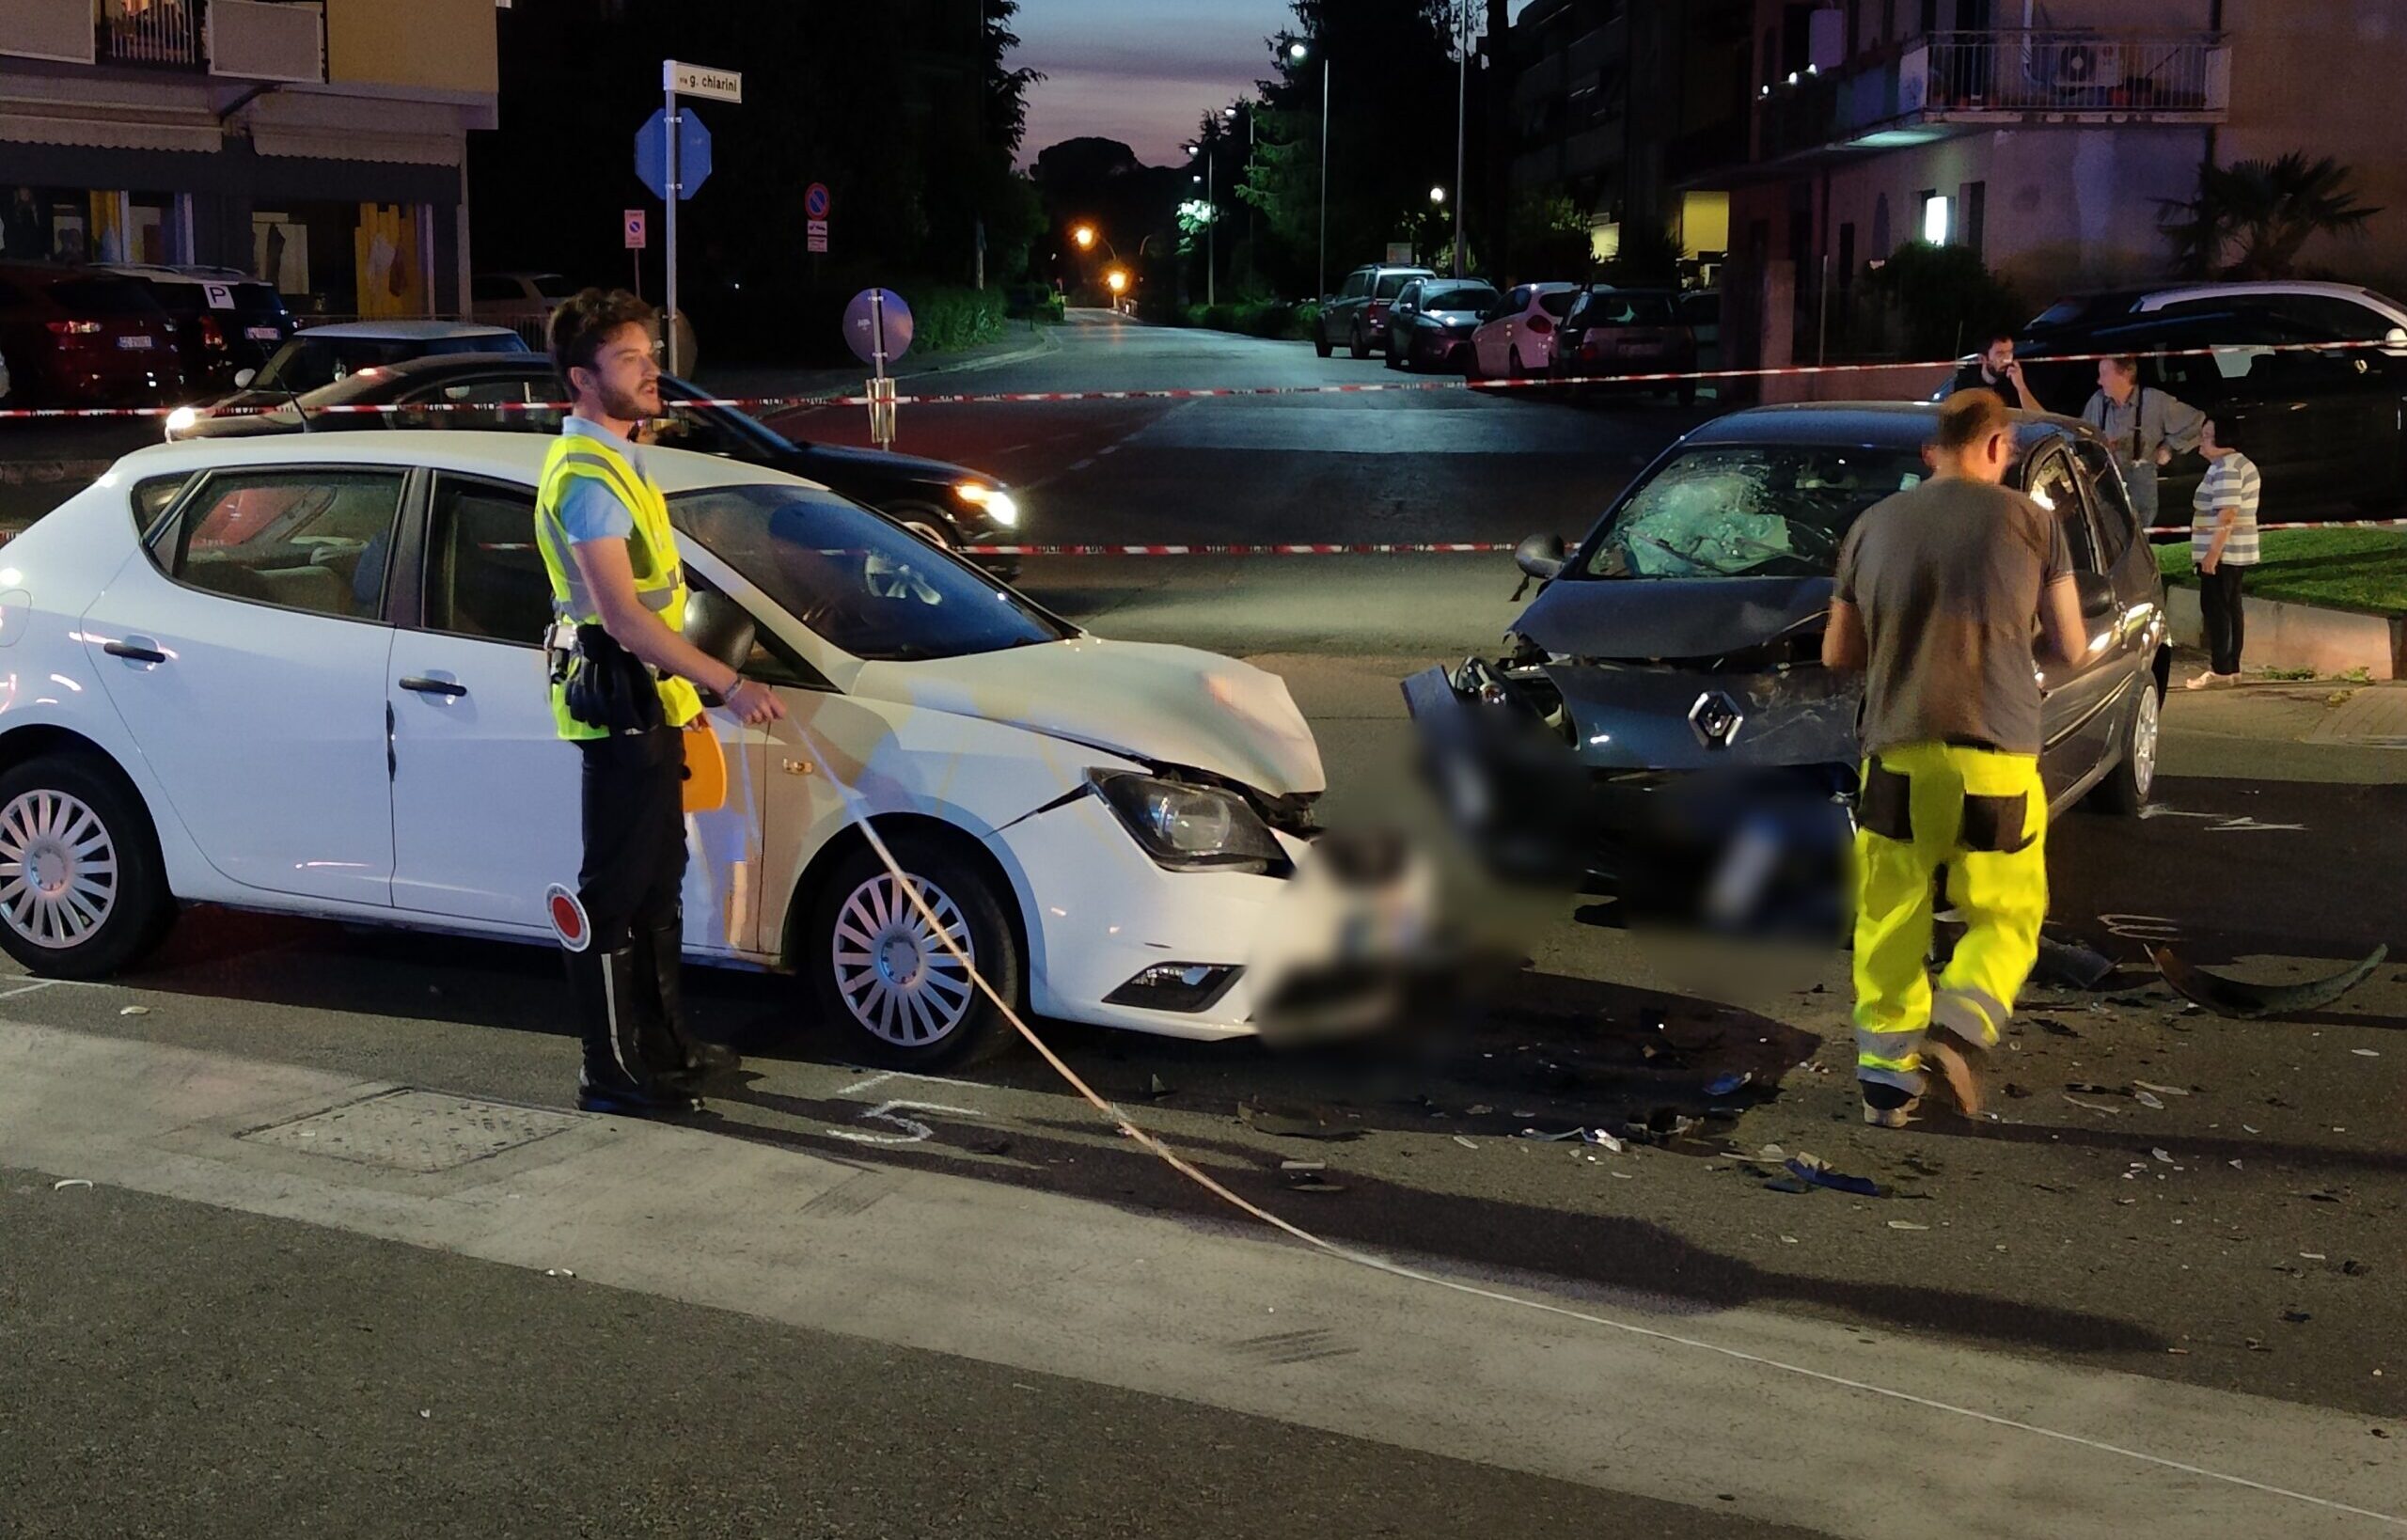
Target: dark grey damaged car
x=1661, y=728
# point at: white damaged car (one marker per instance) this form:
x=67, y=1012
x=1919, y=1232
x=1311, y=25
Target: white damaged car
x=300, y=674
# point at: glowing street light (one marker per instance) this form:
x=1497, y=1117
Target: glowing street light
x=1083, y=237
x=1116, y=280
x=1437, y=194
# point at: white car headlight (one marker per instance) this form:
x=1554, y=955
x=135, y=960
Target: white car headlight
x=1186, y=827
x=995, y=502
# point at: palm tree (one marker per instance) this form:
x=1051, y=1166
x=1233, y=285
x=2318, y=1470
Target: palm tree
x=2265, y=213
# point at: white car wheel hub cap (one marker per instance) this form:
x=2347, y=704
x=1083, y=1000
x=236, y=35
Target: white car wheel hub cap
x=57, y=869
x=897, y=974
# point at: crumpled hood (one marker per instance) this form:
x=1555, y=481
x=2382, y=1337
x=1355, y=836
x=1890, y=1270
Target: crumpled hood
x=1669, y=617
x=1144, y=700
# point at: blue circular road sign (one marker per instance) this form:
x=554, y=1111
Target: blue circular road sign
x=862, y=320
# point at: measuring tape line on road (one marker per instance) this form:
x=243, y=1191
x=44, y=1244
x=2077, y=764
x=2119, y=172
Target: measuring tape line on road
x=1154, y=1145
x=1022, y=397
x=1377, y=548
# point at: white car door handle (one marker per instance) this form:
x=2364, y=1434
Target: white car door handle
x=450, y=689
x=134, y=650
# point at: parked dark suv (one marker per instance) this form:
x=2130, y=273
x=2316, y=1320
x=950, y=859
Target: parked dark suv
x=226, y=320
x=1357, y=313
x=83, y=336
x=1663, y=729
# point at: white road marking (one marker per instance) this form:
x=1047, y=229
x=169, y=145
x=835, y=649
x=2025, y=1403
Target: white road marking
x=1083, y=463
x=914, y=1131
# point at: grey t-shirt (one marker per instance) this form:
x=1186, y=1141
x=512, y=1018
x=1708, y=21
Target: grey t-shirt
x=1947, y=577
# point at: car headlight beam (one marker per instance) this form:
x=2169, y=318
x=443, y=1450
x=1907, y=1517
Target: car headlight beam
x=994, y=502
x=1186, y=827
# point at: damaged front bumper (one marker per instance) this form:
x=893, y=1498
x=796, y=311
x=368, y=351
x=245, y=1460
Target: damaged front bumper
x=1686, y=793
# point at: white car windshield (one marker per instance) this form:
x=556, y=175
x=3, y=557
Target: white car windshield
x=856, y=581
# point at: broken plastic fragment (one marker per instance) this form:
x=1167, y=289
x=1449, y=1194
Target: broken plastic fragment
x=559, y=1272
x=134, y=1010
x=66, y=1182
x=2227, y=996
x=2148, y=1099
x=2367, y=1053
x=1551, y=1139
x=1464, y=1142
x=1906, y=1224
x=2096, y=1107
x=2162, y=1090
x=2064, y=966
x=1725, y=1085
x=1814, y=1169
x=1600, y=1137
x=1292, y=1121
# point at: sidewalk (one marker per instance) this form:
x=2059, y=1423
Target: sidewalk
x=1759, y=1416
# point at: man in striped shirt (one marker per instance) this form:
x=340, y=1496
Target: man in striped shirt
x=2223, y=546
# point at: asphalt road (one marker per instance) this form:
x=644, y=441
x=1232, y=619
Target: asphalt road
x=2228, y=1239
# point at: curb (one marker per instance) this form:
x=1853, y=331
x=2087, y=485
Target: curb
x=2284, y=634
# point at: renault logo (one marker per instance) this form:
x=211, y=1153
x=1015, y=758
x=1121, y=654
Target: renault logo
x=1715, y=719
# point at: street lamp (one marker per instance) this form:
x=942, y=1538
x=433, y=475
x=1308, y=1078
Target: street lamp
x=1083, y=237
x=1297, y=52
x=1438, y=195
x=1211, y=226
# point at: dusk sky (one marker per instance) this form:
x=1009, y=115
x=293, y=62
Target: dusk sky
x=1141, y=71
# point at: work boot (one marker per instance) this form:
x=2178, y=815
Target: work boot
x=1888, y=1107
x=611, y=1010
x=1955, y=1069
x=679, y=1059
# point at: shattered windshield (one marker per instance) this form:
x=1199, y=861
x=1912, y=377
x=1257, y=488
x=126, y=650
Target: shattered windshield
x=1747, y=511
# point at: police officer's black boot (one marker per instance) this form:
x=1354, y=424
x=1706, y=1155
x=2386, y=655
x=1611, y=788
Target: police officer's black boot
x=612, y=1005
x=683, y=1061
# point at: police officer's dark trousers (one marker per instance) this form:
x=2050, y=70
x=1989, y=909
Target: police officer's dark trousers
x=625, y=981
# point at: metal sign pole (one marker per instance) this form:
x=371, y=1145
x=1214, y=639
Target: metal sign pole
x=676, y=191
x=881, y=411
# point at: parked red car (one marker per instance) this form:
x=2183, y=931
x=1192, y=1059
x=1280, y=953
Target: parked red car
x=81, y=337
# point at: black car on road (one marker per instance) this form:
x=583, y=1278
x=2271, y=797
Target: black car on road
x=945, y=504
x=1429, y=326
x=1663, y=728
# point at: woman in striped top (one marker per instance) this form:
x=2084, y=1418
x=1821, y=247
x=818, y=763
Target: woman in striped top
x=2223, y=546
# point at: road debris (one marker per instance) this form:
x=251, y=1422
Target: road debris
x=2095, y=1107
x=2053, y=1027
x=2237, y=998
x=1544, y=1138
x=1603, y=1140
x=2163, y=1155
x=1293, y=1123
x=1729, y=1085
x=2015, y=1091
x=1464, y=1142
x=2063, y=966
x=1158, y=1088
x=2162, y=1090
x=66, y=1182
x=560, y=1272
x=134, y=1010
x=1906, y=1224
x=1808, y=1167
x=2148, y=1099
x=2367, y=1053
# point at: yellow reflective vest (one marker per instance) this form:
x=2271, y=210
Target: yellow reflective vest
x=660, y=575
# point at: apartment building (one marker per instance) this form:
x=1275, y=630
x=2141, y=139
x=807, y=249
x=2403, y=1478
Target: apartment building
x=2045, y=136
x=319, y=144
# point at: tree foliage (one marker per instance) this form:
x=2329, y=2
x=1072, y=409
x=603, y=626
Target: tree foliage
x=2253, y=219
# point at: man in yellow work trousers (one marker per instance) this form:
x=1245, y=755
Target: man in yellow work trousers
x=1939, y=589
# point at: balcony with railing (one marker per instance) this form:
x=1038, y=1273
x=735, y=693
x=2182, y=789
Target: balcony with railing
x=1949, y=81
x=247, y=39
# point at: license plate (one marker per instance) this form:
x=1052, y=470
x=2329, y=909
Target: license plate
x=136, y=343
x=261, y=334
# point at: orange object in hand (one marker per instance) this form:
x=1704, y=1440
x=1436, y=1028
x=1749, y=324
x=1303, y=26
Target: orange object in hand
x=705, y=768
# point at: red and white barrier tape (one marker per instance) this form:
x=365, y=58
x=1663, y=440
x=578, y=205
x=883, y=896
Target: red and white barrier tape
x=1022, y=397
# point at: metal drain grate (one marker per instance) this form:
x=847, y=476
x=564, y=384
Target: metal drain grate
x=418, y=1131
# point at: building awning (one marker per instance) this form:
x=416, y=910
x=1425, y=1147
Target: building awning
x=96, y=127
x=316, y=142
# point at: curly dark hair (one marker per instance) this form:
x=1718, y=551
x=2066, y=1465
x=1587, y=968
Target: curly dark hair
x=585, y=320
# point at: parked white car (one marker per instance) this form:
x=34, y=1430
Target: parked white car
x=2346, y=311
x=1517, y=336
x=300, y=674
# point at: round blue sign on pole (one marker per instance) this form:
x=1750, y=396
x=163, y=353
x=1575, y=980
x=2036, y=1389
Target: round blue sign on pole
x=874, y=312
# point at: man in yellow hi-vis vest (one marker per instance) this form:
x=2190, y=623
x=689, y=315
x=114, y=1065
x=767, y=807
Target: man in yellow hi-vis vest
x=623, y=689
x=1940, y=588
